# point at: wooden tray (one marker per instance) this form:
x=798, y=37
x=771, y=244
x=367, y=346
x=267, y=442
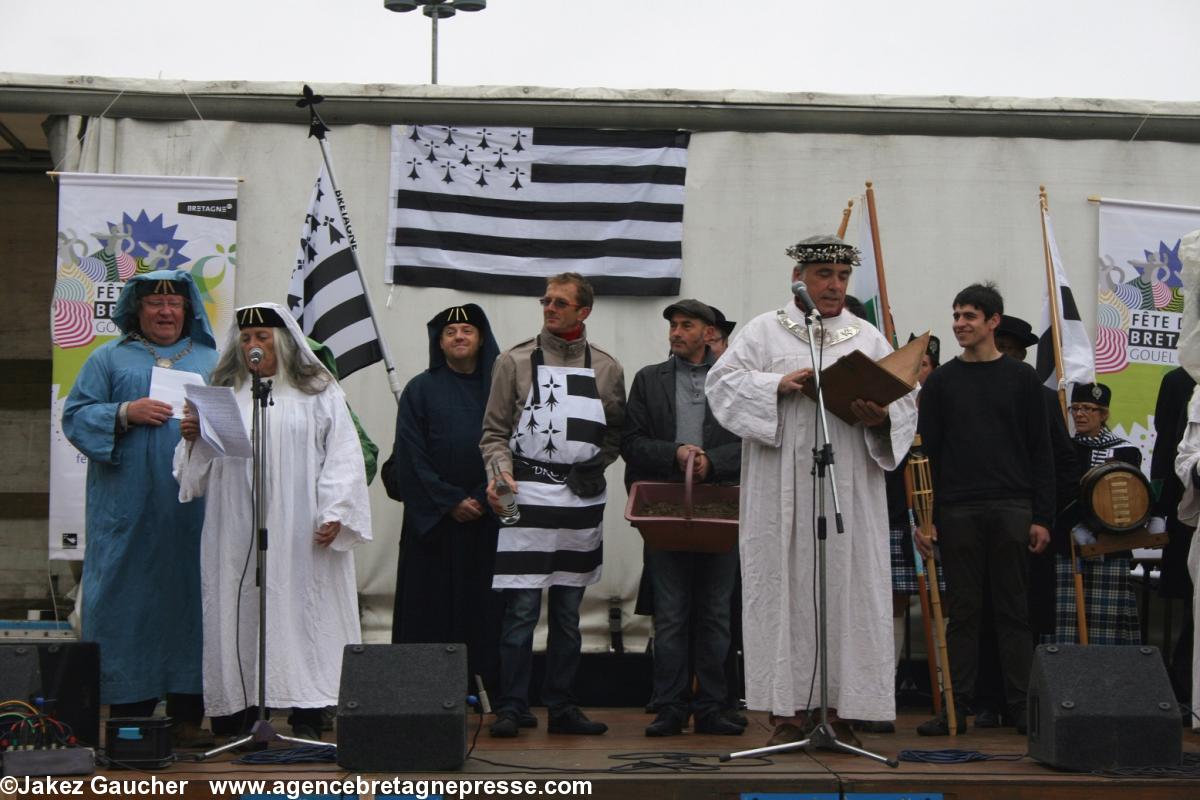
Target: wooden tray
x=686, y=533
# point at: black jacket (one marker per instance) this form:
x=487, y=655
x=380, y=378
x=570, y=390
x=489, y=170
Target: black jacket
x=648, y=440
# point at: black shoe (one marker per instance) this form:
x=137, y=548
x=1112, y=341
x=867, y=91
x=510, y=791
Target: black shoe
x=506, y=725
x=988, y=718
x=669, y=722
x=736, y=717
x=526, y=719
x=714, y=724
x=873, y=726
x=940, y=726
x=574, y=722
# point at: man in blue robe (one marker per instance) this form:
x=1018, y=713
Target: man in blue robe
x=448, y=542
x=141, y=571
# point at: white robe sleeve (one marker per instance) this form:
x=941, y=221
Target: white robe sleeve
x=743, y=397
x=342, y=485
x=1186, y=462
x=888, y=444
x=191, y=466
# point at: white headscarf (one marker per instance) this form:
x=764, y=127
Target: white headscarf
x=1189, y=342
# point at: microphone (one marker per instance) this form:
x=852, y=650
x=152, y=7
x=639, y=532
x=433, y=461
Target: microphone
x=800, y=290
x=255, y=356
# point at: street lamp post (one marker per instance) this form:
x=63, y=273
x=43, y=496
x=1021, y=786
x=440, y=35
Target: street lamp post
x=435, y=10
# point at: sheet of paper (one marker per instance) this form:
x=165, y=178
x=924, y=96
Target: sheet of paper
x=221, y=424
x=167, y=385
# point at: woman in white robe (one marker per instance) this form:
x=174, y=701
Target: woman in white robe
x=316, y=510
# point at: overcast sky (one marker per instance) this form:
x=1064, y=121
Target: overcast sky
x=1027, y=48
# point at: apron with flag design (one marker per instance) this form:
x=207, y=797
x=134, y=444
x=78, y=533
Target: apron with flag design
x=557, y=541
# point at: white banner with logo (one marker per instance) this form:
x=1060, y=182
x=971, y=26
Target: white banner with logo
x=1140, y=309
x=111, y=227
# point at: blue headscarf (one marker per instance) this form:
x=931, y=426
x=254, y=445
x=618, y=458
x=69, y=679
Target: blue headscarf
x=196, y=325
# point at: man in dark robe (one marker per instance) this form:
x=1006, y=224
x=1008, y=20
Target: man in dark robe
x=448, y=540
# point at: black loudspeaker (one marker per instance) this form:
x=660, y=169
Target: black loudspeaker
x=402, y=707
x=65, y=674
x=1102, y=707
x=20, y=673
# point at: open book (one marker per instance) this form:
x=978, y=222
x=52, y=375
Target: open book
x=855, y=376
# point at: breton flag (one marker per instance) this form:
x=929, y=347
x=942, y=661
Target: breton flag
x=1077, y=354
x=326, y=295
x=866, y=275
x=500, y=209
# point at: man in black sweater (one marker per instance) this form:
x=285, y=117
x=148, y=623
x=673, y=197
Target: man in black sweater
x=983, y=424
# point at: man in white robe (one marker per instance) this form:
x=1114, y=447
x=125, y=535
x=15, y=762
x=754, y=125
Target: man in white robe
x=317, y=510
x=755, y=391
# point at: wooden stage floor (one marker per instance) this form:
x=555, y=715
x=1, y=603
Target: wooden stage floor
x=625, y=764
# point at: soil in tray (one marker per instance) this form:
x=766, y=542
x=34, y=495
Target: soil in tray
x=702, y=510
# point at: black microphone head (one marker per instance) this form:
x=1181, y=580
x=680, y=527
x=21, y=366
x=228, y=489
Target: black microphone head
x=800, y=290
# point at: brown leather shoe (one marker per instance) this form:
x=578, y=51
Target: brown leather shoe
x=786, y=733
x=843, y=731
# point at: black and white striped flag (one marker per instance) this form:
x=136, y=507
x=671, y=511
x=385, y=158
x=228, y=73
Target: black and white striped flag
x=326, y=295
x=500, y=209
x=1077, y=356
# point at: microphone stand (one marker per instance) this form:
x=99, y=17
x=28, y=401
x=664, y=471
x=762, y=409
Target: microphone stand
x=262, y=732
x=822, y=736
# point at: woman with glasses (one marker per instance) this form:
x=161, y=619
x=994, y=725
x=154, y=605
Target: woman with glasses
x=1112, y=616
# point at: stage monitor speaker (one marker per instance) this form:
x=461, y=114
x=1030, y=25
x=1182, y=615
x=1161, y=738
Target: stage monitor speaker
x=1102, y=707
x=20, y=673
x=402, y=707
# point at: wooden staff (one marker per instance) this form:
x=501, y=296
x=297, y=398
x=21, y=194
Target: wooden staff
x=923, y=592
x=885, y=311
x=1056, y=339
x=845, y=218
x=922, y=494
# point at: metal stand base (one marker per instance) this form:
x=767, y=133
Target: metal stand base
x=263, y=733
x=822, y=737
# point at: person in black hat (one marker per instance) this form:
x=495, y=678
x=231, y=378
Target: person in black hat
x=667, y=421
x=1111, y=606
x=448, y=541
x=718, y=340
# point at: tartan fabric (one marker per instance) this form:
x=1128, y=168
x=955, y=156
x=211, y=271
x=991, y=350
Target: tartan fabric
x=904, y=574
x=1112, y=612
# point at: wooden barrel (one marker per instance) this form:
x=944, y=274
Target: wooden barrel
x=1115, y=498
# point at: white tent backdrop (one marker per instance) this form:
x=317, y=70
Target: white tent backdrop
x=951, y=211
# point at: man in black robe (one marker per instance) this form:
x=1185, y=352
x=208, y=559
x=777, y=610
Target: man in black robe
x=448, y=540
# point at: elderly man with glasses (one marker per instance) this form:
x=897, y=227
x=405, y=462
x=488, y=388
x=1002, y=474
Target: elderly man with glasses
x=552, y=424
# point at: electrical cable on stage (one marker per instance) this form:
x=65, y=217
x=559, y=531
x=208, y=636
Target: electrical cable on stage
x=309, y=754
x=1188, y=768
x=644, y=761
x=954, y=756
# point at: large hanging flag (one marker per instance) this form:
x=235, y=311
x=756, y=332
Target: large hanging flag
x=1078, y=365
x=500, y=209
x=326, y=295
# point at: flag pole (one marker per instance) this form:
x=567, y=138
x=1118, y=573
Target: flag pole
x=1056, y=341
x=317, y=129
x=845, y=218
x=885, y=311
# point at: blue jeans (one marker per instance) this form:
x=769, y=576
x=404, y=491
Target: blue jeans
x=691, y=605
x=522, y=608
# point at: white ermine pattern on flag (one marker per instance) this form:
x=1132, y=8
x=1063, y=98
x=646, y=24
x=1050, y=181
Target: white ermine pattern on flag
x=326, y=295
x=1077, y=356
x=500, y=209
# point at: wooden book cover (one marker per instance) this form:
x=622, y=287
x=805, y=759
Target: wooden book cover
x=855, y=376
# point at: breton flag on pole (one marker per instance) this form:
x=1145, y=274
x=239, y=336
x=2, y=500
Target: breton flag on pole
x=500, y=209
x=866, y=275
x=1077, y=354
x=326, y=295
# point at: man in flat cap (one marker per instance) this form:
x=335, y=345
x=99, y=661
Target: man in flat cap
x=722, y=329
x=667, y=421
x=756, y=392
x=141, y=572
